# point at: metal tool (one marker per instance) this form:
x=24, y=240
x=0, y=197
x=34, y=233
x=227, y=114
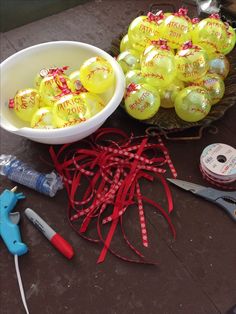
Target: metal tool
x=225, y=199
x=10, y=232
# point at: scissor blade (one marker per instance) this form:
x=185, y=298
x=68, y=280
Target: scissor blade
x=188, y=186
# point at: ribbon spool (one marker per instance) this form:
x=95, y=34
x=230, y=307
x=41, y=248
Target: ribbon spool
x=218, y=164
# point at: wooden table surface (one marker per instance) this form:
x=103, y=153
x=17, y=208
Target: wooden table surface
x=196, y=273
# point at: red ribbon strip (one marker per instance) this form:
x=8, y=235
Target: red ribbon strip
x=107, y=174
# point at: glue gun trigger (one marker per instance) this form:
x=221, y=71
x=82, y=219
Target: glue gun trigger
x=20, y=196
x=15, y=217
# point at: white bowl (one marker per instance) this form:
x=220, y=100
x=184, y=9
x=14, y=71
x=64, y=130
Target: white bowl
x=19, y=70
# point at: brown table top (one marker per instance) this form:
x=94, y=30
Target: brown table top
x=196, y=273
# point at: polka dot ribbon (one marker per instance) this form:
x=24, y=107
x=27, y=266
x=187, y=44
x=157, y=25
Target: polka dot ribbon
x=107, y=169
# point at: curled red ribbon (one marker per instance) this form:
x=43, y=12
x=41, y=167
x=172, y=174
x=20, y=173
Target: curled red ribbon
x=189, y=45
x=57, y=71
x=195, y=20
x=113, y=171
x=162, y=43
x=11, y=103
x=182, y=12
x=215, y=16
x=60, y=80
x=155, y=17
x=131, y=88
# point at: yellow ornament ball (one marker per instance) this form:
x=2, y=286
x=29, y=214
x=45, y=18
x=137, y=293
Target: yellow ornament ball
x=76, y=83
x=230, y=41
x=41, y=75
x=191, y=62
x=125, y=43
x=169, y=93
x=25, y=103
x=97, y=75
x=134, y=76
x=141, y=101
x=52, y=86
x=158, y=65
x=215, y=86
x=129, y=60
x=69, y=110
x=42, y=119
x=192, y=104
x=176, y=28
x=143, y=29
x=210, y=33
x=93, y=103
x=219, y=64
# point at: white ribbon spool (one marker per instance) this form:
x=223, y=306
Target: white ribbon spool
x=218, y=163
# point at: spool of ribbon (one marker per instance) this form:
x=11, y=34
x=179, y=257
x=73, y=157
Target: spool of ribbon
x=218, y=165
x=107, y=172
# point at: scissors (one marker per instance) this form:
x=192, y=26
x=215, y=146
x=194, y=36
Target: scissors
x=225, y=199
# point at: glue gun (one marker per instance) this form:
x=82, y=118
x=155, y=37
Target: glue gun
x=9, y=229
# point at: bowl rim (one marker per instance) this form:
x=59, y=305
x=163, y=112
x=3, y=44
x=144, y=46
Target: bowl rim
x=91, y=122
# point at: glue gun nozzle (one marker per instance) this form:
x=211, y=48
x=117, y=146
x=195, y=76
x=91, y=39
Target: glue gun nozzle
x=14, y=189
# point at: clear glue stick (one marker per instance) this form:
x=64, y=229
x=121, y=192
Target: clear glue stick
x=18, y=171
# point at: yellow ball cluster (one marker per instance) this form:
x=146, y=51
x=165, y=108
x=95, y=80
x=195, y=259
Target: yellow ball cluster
x=180, y=62
x=59, y=100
